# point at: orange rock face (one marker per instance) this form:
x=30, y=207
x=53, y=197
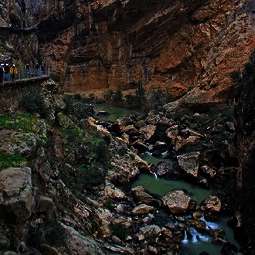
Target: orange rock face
x=173, y=45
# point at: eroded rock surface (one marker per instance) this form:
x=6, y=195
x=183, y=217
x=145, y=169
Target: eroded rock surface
x=177, y=201
x=16, y=192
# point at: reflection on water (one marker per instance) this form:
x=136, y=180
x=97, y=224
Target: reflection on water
x=162, y=186
x=147, y=156
x=112, y=113
x=210, y=225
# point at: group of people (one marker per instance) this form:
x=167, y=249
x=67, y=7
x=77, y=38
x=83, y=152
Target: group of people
x=33, y=71
x=9, y=72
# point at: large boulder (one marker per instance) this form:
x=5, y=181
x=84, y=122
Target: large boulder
x=189, y=162
x=125, y=167
x=112, y=192
x=148, y=131
x=212, y=204
x=16, y=196
x=165, y=168
x=45, y=205
x=142, y=209
x=80, y=245
x=141, y=196
x=150, y=231
x=177, y=201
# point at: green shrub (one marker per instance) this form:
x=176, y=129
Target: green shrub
x=22, y=121
x=117, y=97
x=78, y=107
x=90, y=176
x=108, y=95
x=34, y=102
x=109, y=204
x=120, y=231
x=11, y=160
x=73, y=135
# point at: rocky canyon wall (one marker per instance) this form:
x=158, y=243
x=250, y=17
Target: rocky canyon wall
x=185, y=47
x=176, y=45
x=245, y=122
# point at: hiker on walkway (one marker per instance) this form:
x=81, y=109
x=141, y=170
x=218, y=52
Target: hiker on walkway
x=1, y=74
x=38, y=69
x=7, y=76
x=27, y=71
x=13, y=71
x=43, y=67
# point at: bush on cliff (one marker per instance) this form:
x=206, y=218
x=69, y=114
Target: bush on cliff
x=78, y=107
x=88, y=153
x=34, y=102
x=23, y=121
x=13, y=160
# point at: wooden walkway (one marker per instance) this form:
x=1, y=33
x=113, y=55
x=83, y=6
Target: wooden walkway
x=24, y=82
x=13, y=30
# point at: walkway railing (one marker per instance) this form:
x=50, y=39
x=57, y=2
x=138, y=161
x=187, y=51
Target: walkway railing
x=26, y=75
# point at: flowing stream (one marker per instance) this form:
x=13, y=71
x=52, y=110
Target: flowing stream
x=193, y=242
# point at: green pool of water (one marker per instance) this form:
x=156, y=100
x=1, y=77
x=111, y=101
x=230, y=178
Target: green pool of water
x=162, y=186
x=114, y=112
x=151, y=159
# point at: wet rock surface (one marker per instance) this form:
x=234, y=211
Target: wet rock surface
x=177, y=202
x=189, y=163
x=16, y=193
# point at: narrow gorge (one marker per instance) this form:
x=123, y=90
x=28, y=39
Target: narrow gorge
x=127, y=127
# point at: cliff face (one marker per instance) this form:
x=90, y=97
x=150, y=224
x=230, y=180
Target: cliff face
x=177, y=45
x=108, y=44
x=245, y=111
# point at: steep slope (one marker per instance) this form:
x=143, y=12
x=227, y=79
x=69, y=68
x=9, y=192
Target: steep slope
x=245, y=111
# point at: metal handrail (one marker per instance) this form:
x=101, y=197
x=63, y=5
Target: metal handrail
x=27, y=74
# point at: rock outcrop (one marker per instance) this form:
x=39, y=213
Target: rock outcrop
x=177, y=201
x=16, y=197
x=245, y=141
x=173, y=45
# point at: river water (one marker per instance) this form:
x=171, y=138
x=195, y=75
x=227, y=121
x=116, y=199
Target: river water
x=197, y=242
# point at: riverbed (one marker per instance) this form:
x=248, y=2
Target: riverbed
x=197, y=242
x=193, y=243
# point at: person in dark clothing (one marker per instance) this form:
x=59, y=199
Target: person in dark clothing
x=43, y=69
x=7, y=76
x=1, y=74
x=13, y=72
x=27, y=71
x=37, y=70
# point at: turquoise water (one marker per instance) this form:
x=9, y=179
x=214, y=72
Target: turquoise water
x=162, y=186
x=114, y=112
x=151, y=159
x=198, y=242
